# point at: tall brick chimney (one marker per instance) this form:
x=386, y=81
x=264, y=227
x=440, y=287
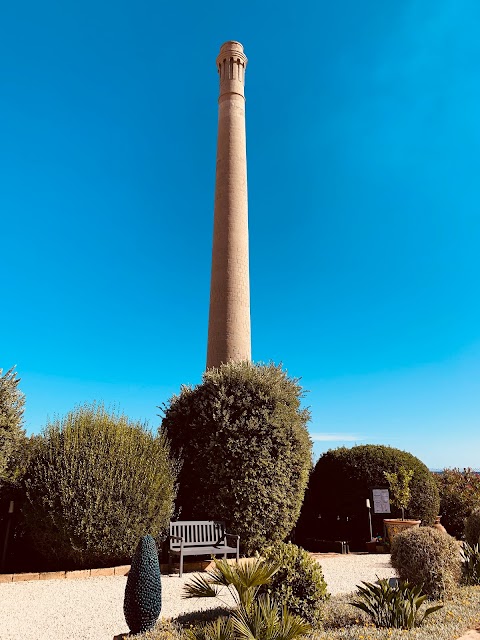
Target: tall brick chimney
x=229, y=319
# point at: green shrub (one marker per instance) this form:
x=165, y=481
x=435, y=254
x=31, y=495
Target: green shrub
x=334, y=506
x=428, y=557
x=20, y=555
x=459, y=495
x=96, y=484
x=338, y=613
x=472, y=528
x=299, y=583
x=394, y=607
x=245, y=449
x=471, y=564
x=12, y=434
x=143, y=591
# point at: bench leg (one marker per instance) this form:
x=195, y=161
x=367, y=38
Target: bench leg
x=181, y=564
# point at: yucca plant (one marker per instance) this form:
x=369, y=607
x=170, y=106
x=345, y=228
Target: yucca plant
x=471, y=564
x=394, y=606
x=256, y=617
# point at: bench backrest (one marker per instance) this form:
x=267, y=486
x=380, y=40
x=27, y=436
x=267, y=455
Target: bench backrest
x=196, y=533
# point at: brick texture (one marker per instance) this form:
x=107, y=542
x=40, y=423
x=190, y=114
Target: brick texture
x=122, y=570
x=229, y=319
x=52, y=575
x=77, y=575
x=23, y=577
x=105, y=571
x=6, y=577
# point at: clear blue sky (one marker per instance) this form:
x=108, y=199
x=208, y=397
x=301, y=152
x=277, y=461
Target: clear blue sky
x=363, y=157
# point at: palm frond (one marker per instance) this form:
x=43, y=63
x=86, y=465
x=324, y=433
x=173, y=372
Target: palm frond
x=220, y=629
x=200, y=587
x=265, y=620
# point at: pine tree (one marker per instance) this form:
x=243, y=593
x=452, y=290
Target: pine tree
x=12, y=402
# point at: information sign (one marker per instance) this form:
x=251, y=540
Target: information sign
x=381, y=501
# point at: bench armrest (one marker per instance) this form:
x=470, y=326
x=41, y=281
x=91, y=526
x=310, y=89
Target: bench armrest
x=175, y=538
x=232, y=535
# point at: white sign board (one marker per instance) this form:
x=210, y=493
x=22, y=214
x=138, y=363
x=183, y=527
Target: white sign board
x=381, y=501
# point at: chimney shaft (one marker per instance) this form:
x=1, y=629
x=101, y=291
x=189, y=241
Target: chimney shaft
x=229, y=319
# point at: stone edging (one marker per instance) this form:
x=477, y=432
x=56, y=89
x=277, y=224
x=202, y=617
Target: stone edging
x=93, y=573
x=62, y=575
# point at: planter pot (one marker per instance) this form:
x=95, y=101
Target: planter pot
x=376, y=547
x=438, y=525
x=396, y=525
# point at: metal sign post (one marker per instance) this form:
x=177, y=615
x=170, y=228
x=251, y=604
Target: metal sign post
x=7, y=531
x=370, y=519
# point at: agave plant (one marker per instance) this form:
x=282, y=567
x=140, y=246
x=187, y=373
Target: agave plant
x=471, y=564
x=394, y=606
x=255, y=617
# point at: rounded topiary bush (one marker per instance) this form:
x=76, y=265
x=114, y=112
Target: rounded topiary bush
x=97, y=483
x=245, y=450
x=299, y=583
x=429, y=557
x=459, y=495
x=335, y=502
x=472, y=528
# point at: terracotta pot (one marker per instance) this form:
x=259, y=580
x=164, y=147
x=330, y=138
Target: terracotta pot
x=438, y=525
x=396, y=525
x=371, y=546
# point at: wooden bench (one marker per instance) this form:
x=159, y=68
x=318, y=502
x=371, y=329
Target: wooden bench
x=195, y=538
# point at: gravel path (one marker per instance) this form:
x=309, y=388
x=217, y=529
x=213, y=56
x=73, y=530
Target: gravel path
x=343, y=573
x=92, y=609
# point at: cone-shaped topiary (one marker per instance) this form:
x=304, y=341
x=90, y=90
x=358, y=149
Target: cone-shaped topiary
x=143, y=593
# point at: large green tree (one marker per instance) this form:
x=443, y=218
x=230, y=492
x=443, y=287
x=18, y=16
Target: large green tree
x=459, y=495
x=12, y=434
x=343, y=478
x=246, y=453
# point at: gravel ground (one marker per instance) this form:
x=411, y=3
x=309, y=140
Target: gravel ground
x=92, y=609
x=343, y=573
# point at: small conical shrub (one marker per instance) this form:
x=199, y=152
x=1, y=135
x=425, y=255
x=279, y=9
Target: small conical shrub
x=143, y=593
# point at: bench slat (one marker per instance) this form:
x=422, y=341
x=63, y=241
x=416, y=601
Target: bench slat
x=200, y=537
x=200, y=533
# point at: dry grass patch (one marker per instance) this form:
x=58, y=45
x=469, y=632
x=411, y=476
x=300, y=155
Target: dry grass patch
x=344, y=622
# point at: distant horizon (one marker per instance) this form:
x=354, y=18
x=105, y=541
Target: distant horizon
x=362, y=151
